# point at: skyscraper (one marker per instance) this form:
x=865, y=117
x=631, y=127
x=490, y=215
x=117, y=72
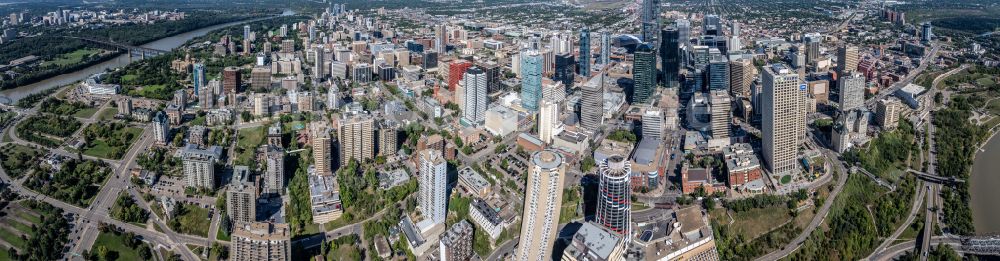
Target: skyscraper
x=260, y=79
x=644, y=73
x=433, y=185
x=161, y=128
x=650, y=20
x=847, y=60
x=230, y=80
x=683, y=32
x=473, y=97
x=584, y=52
x=321, y=148
x=199, y=166
x=852, y=91
x=711, y=25
x=720, y=111
x=718, y=73
x=741, y=75
x=565, y=65
x=441, y=38
x=735, y=44
x=592, y=103
x=198, y=78
x=670, y=56
x=782, y=103
x=614, y=205
x=605, y=48
x=547, y=117
x=261, y=241
x=246, y=32
x=241, y=197
x=812, y=42
x=274, y=175
x=926, y=32
x=531, y=84
x=542, y=204
x=318, y=64
x=357, y=138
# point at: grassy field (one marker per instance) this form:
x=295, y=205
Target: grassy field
x=107, y=113
x=18, y=159
x=8, y=235
x=246, y=143
x=115, y=243
x=85, y=113
x=753, y=223
x=193, y=220
x=72, y=58
x=100, y=148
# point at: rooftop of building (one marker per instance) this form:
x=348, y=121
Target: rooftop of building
x=469, y=176
x=324, y=192
x=593, y=240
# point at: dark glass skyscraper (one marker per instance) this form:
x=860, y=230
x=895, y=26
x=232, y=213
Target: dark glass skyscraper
x=644, y=73
x=564, y=69
x=584, y=62
x=670, y=55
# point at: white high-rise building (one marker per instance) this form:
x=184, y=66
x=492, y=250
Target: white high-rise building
x=542, y=204
x=614, y=206
x=433, y=186
x=548, y=115
x=852, y=91
x=783, y=120
x=472, y=96
x=721, y=116
x=652, y=124
x=161, y=128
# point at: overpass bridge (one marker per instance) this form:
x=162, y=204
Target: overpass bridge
x=935, y=178
x=140, y=51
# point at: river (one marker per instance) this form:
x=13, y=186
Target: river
x=983, y=186
x=167, y=43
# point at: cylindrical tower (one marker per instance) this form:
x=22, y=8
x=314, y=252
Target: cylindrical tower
x=614, y=208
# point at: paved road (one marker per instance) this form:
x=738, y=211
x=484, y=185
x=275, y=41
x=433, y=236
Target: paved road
x=503, y=250
x=820, y=216
x=898, y=249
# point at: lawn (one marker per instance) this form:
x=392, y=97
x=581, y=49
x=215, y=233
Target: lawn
x=570, y=201
x=754, y=222
x=29, y=217
x=115, y=243
x=246, y=144
x=129, y=77
x=24, y=228
x=222, y=235
x=785, y=179
x=101, y=149
x=193, y=220
x=85, y=113
x=107, y=114
x=71, y=58
x=8, y=235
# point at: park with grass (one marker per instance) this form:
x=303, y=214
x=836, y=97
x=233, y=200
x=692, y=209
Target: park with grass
x=17, y=160
x=190, y=219
x=75, y=182
x=32, y=230
x=113, y=244
x=72, y=58
x=109, y=140
x=47, y=129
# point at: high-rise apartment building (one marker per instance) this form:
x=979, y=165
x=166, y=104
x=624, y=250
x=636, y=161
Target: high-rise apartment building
x=456, y=70
x=813, y=42
x=387, y=139
x=260, y=79
x=852, y=91
x=847, y=60
x=605, y=48
x=473, y=99
x=614, y=203
x=199, y=165
x=783, y=122
x=161, y=128
x=230, y=80
x=456, y=243
x=531, y=83
x=650, y=20
x=198, y=78
x=584, y=61
x=741, y=76
x=887, y=113
x=592, y=103
x=433, y=186
x=321, y=148
x=670, y=55
x=547, y=117
x=441, y=38
x=241, y=197
x=542, y=204
x=319, y=63
x=274, y=173
x=261, y=241
x=644, y=74
x=356, y=138
x=721, y=117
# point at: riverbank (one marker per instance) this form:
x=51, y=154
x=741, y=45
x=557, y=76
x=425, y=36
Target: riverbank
x=166, y=43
